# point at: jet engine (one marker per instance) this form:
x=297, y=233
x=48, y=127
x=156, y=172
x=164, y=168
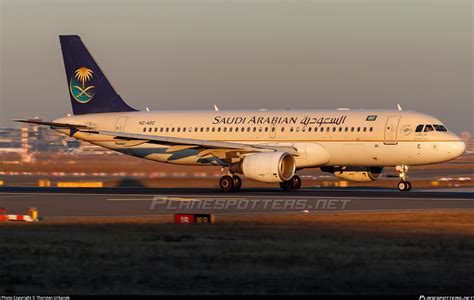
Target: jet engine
x=266, y=167
x=355, y=173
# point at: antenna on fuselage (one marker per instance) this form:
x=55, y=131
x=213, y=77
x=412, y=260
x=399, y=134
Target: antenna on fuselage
x=216, y=108
x=399, y=107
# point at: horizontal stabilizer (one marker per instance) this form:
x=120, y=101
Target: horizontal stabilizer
x=52, y=124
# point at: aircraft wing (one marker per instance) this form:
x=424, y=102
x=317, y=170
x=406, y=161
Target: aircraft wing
x=176, y=142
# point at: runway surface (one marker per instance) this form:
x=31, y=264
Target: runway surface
x=415, y=174
x=69, y=202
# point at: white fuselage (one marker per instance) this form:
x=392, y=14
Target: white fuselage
x=322, y=137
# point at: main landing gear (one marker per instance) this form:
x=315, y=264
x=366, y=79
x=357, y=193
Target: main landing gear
x=291, y=185
x=230, y=183
x=404, y=185
x=233, y=183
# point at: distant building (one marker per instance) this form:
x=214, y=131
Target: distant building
x=32, y=139
x=29, y=140
x=10, y=140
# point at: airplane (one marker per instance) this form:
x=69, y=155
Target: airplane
x=264, y=145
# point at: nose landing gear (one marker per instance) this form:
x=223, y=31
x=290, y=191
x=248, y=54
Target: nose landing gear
x=404, y=185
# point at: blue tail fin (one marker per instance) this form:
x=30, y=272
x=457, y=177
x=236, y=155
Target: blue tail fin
x=89, y=89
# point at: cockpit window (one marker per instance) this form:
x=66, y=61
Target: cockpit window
x=440, y=128
x=429, y=128
x=419, y=128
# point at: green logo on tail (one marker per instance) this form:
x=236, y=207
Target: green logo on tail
x=82, y=92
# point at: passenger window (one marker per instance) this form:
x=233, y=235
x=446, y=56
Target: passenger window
x=340, y=129
x=184, y=129
x=172, y=129
x=291, y=129
x=352, y=129
x=273, y=129
x=218, y=129
x=358, y=129
x=195, y=129
x=334, y=129
x=254, y=129
x=207, y=129
x=309, y=129
x=167, y=129
x=440, y=128
x=266, y=129
x=236, y=129
x=283, y=129
x=149, y=129
x=161, y=129
x=371, y=129
x=429, y=128
x=346, y=129
x=419, y=128
x=144, y=129
x=327, y=129
x=230, y=129
x=225, y=129
x=213, y=129
x=365, y=129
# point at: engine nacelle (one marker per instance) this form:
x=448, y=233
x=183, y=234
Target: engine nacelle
x=266, y=167
x=355, y=173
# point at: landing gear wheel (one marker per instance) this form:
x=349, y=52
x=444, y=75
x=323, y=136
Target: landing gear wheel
x=286, y=185
x=404, y=186
x=296, y=182
x=237, y=183
x=293, y=184
x=226, y=183
x=408, y=186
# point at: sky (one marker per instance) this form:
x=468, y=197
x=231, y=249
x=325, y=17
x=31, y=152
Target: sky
x=245, y=54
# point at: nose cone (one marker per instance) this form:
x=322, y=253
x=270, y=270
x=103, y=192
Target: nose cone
x=456, y=149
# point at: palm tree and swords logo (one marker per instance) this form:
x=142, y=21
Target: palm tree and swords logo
x=79, y=89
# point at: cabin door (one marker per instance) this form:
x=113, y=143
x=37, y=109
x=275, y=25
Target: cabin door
x=120, y=125
x=391, y=129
